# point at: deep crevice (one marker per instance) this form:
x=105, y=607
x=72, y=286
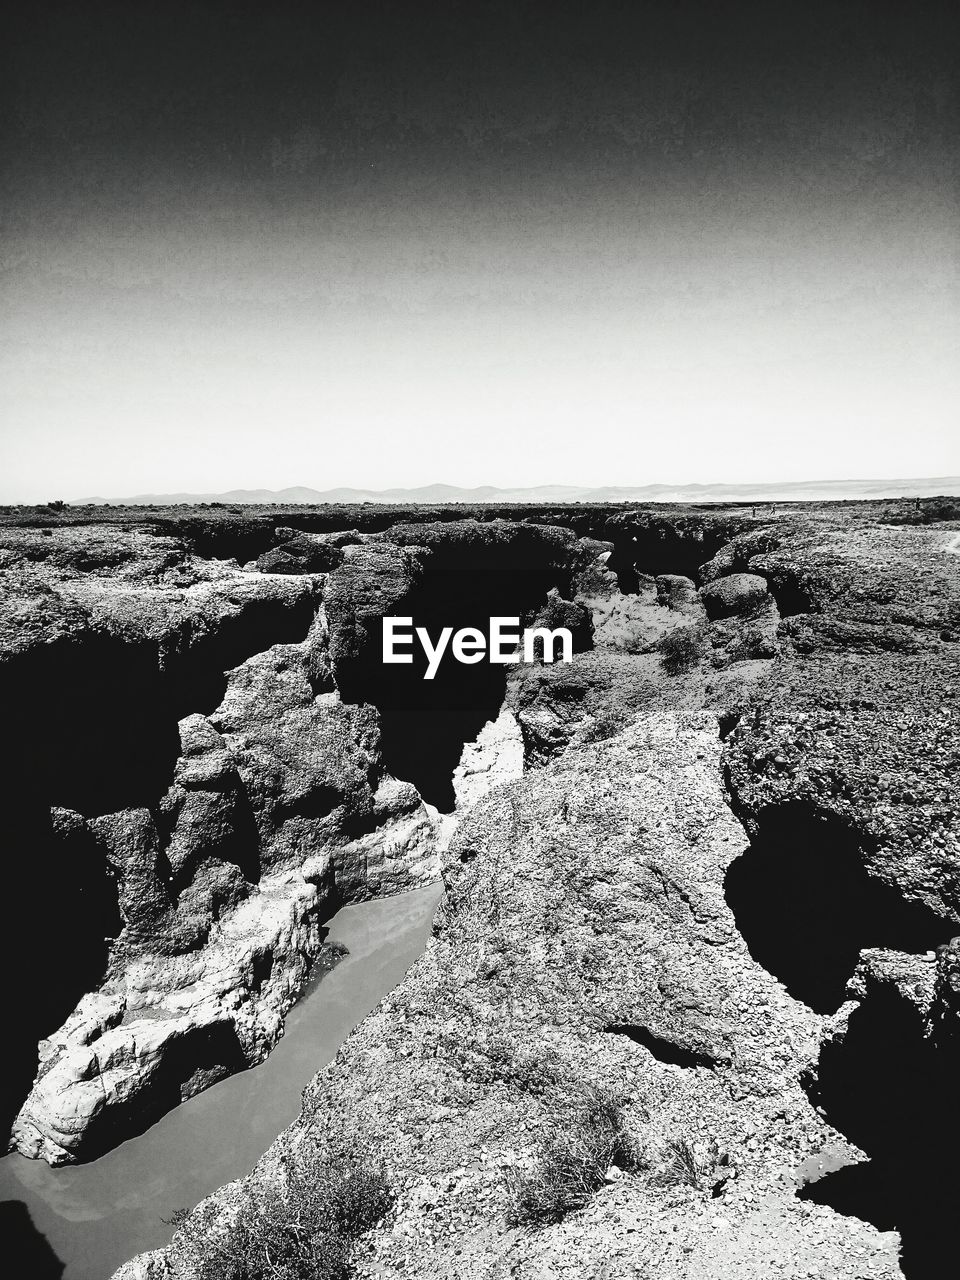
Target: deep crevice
x=667, y=1051
x=196, y=680
x=806, y=906
x=892, y=1091
x=243, y=533
x=91, y=727
x=425, y=723
x=669, y=543
x=789, y=593
x=726, y=723
x=88, y=724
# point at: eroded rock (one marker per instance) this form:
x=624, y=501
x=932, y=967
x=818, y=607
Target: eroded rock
x=494, y=758
x=279, y=808
x=585, y=936
x=737, y=593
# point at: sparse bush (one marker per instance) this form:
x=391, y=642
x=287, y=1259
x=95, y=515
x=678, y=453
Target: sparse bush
x=689, y=1164
x=681, y=649
x=583, y=1139
x=304, y=1229
x=57, y=505
x=497, y=1059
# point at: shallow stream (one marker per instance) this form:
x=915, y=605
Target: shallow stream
x=82, y=1221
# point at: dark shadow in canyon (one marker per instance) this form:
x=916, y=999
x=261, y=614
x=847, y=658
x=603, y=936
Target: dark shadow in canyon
x=621, y=563
x=91, y=720
x=91, y=727
x=893, y=1091
x=60, y=914
x=88, y=724
x=24, y=1247
x=806, y=906
x=425, y=723
x=788, y=591
x=661, y=544
x=196, y=680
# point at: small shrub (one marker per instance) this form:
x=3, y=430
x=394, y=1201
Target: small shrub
x=57, y=505
x=302, y=1230
x=352, y=1198
x=689, y=1164
x=497, y=1059
x=579, y=1146
x=681, y=649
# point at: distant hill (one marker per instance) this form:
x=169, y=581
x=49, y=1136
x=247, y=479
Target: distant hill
x=796, y=491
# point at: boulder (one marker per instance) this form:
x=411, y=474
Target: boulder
x=679, y=593
x=557, y=612
x=304, y=553
x=736, y=594
x=131, y=1050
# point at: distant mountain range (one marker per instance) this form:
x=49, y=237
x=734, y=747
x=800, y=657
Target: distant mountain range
x=795, y=491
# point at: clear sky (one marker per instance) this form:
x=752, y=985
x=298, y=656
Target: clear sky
x=489, y=243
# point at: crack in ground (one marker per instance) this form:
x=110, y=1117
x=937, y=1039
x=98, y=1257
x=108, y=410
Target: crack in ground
x=806, y=907
x=662, y=1048
x=891, y=1088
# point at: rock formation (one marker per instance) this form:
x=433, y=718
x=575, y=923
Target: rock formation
x=724, y=892
x=260, y=817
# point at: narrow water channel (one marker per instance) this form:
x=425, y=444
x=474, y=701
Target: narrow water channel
x=82, y=1221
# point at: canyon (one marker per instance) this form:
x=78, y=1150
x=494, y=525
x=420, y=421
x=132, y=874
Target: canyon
x=709, y=865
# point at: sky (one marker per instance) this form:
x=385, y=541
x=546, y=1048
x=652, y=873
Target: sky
x=391, y=244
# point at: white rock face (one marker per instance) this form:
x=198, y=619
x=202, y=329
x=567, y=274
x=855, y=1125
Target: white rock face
x=493, y=758
x=399, y=852
x=119, y=1058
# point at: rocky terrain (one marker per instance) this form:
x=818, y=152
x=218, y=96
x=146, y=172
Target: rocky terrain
x=690, y=1007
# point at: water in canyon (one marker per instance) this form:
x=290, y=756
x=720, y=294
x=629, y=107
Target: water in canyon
x=81, y=1222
